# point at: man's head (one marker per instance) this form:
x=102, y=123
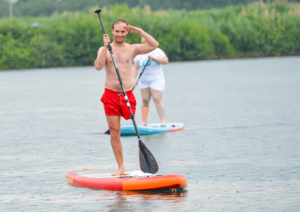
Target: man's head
x=119, y=31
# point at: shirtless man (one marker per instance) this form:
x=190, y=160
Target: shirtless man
x=113, y=98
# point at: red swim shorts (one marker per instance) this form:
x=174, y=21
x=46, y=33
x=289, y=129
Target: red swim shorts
x=115, y=104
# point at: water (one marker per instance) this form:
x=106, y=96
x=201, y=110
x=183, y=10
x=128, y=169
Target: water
x=239, y=150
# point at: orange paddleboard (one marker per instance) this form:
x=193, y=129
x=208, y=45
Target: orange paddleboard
x=96, y=179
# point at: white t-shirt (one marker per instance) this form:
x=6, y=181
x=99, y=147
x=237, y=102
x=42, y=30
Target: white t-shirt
x=153, y=70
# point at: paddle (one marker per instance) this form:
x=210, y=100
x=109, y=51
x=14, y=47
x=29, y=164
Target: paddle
x=141, y=74
x=147, y=160
x=107, y=131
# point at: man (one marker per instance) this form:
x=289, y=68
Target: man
x=113, y=98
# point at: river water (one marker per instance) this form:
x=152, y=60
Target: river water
x=240, y=150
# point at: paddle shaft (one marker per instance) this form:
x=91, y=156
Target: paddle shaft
x=141, y=74
x=120, y=79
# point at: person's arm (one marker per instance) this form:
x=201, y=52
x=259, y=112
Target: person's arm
x=101, y=56
x=135, y=72
x=149, y=46
x=161, y=60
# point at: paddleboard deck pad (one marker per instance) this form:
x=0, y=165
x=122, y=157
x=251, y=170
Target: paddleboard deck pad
x=96, y=179
x=150, y=129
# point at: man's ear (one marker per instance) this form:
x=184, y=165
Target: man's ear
x=112, y=31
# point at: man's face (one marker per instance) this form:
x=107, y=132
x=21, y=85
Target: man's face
x=119, y=32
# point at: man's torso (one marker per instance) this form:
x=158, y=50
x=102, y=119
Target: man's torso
x=124, y=56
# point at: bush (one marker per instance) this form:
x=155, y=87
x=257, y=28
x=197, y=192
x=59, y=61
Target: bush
x=73, y=39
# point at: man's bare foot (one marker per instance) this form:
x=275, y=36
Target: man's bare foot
x=119, y=172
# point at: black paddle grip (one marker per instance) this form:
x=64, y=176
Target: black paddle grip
x=98, y=12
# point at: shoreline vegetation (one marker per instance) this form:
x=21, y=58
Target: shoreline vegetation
x=73, y=38
x=45, y=8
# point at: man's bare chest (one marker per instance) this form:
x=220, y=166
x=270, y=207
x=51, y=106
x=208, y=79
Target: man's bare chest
x=123, y=56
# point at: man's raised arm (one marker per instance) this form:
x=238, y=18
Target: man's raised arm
x=147, y=47
x=101, y=56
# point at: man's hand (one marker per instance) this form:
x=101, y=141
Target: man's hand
x=106, y=40
x=133, y=29
x=151, y=57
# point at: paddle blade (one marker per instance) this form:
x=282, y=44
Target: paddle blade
x=107, y=132
x=148, y=163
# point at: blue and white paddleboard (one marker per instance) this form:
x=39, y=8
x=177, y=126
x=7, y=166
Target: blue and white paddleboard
x=151, y=129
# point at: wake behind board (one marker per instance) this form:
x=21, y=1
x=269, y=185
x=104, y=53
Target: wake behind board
x=150, y=129
x=96, y=179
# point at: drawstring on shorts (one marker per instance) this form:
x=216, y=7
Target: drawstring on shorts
x=120, y=95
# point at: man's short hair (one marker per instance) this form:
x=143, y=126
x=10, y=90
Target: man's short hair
x=119, y=20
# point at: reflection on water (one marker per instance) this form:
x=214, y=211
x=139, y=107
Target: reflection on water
x=129, y=200
x=152, y=138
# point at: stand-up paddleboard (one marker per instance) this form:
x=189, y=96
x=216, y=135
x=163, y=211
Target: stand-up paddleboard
x=150, y=129
x=96, y=179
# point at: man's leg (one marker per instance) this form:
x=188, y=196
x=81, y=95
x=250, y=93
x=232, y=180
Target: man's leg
x=146, y=96
x=115, y=130
x=160, y=108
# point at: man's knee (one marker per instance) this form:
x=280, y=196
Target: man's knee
x=114, y=132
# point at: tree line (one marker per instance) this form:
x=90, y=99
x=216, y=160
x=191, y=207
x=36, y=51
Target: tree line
x=38, y=8
x=73, y=39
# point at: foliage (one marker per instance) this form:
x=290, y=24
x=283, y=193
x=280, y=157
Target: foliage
x=38, y=8
x=72, y=39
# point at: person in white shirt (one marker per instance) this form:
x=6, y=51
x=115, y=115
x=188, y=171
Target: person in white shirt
x=152, y=81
